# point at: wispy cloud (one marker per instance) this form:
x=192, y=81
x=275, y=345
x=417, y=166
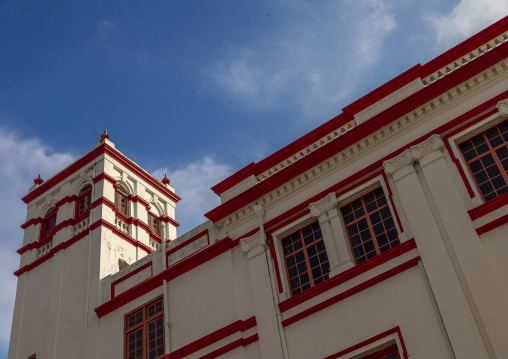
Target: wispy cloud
x=21, y=158
x=468, y=17
x=192, y=182
x=310, y=60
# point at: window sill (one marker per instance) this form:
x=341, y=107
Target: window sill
x=347, y=275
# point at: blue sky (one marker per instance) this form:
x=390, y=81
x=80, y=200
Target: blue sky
x=197, y=89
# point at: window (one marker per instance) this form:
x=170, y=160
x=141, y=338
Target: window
x=369, y=225
x=144, y=332
x=84, y=200
x=154, y=224
x=486, y=156
x=48, y=223
x=387, y=353
x=305, y=257
x=121, y=201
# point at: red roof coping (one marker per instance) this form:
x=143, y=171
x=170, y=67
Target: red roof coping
x=369, y=99
x=465, y=47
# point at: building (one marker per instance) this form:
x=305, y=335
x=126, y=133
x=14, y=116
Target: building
x=380, y=234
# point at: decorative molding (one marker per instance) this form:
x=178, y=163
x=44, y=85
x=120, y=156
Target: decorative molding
x=393, y=165
x=254, y=241
x=432, y=144
x=323, y=205
x=502, y=107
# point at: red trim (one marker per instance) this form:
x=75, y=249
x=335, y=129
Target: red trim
x=89, y=157
x=375, y=338
x=347, y=275
x=141, y=173
x=488, y=207
x=169, y=220
x=238, y=326
x=47, y=185
x=236, y=344
x=170, y=273
x=390, y=198
x=492, y=225
x=234, y=179
x=134, y=272
x=384, y=90
x=276, y=265
x=348, y=293
x=349, y=111
x=189, y=241
x=465, y=47
x=382, y=119
x=459, y=167
x=112, y=228
x=31, y=221
x=104, y=176
x=132, y=198
x=52, y=251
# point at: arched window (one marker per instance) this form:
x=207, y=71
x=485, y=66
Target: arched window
x=84, y=200
x=48, y=223
x=121, y=200
x=154, y=223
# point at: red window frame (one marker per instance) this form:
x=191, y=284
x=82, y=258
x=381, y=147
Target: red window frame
x=486, y=157
x=369, y=225
x=144, y=331
x=305, y=258
x=122, y=201
x=84, y=201
x=392, y=352
x=154, y=223
x=48, y=225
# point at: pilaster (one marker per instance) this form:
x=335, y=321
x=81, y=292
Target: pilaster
x=451, y=301
x=325, y=210
x=264, y=303
x=473, y=265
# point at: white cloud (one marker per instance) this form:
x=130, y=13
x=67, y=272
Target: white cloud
x=315, y=55
x=468, y=17
x=21, y=158
x=192, y=183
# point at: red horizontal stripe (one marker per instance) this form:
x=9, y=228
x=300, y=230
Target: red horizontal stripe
x=348, y=275
x=169, y=274
x=488, y=207
x=236, y=344
x=348, y=293
x=492, y=225
x=349, y=138
x=349, y=111
x=238, y=326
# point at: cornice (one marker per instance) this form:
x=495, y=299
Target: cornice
x=361, y=139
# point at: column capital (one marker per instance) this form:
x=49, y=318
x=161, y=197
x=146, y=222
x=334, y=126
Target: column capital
x=432, y=144
x=404, y=159
x=252, y=242
x=323, y=205
x=502, y=107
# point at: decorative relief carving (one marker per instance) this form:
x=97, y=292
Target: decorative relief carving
x=404, y=159
x=252, y=242
x=433, y=143
x=323, y=205
x=502, y=107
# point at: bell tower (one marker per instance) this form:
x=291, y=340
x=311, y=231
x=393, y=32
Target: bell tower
x=96, y=216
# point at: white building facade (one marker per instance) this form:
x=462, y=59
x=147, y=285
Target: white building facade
x=381, y=234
